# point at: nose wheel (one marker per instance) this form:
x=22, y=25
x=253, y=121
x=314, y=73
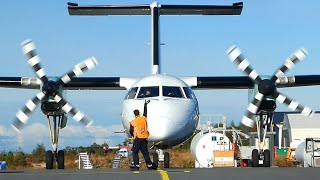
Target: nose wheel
x=160, y=156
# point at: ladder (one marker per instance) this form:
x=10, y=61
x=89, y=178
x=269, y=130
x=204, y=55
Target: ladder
x=84, y=158
x=116, y=162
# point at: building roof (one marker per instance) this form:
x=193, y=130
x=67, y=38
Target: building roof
x=298, y=121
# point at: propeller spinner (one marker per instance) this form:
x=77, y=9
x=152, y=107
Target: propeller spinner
x=267, y=87
x=51, y=89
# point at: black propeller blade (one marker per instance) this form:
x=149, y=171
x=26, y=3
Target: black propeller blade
x=50, y=88
x=267, y=87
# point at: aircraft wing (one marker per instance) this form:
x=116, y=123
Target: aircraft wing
x=79, y=83
x=244, y=82
x=20, y=82
x=107, y=10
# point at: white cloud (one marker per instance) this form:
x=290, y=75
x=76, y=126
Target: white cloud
x=38, y=133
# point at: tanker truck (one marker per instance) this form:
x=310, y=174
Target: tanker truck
x=308, y=153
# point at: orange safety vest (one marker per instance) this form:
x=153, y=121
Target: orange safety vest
x=140, y=127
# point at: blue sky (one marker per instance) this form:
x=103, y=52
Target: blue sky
x=267, y=32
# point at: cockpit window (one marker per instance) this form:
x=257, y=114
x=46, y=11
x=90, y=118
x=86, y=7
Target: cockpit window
x=189, y=93
x=171, y=91
x=149, y=91
x=132, y=93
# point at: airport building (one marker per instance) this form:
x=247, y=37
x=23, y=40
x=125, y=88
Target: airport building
x=293, y=128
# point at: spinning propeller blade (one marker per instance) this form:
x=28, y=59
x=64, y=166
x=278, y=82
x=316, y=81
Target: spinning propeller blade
x=289, y=63
x=293, y=105
x=242, y=63
x=50, y=88
x=23, y=114
x=78, y=116
x=79, y=69
x=29, y=50
x=267, y=87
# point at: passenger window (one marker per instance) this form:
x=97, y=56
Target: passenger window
x=150, y=91
x=189, y=93
x=171, y=91
x=132, y=93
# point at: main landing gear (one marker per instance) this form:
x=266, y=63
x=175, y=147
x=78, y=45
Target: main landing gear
x=160, y=156
x=54, y=155
x=261, y=157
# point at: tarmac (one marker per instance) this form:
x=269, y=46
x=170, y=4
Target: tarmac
x=166, y=174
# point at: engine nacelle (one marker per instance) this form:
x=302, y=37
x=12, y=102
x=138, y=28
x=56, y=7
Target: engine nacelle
x=51, y=108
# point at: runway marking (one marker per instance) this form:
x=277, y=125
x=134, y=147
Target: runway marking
x=163, y=174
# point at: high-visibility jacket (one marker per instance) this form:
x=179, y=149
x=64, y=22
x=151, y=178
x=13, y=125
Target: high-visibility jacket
x=140, y=127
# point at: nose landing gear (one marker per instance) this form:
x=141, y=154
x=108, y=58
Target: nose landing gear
x=160, y=156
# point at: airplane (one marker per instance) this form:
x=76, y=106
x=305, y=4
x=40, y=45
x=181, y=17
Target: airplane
x=173, y=111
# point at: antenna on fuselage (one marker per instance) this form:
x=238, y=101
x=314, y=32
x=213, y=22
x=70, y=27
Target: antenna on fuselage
x=155, y=10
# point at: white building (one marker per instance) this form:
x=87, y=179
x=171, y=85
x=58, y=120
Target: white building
x=295, y=128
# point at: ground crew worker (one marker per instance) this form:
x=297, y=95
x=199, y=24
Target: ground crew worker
x=140, y=133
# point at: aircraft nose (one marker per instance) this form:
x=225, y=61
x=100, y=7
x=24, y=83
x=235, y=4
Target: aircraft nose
x=168, y=128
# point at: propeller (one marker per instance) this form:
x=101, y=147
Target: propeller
x=268, y=87
x=50, y=89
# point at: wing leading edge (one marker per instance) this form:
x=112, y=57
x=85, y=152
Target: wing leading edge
x=244, y=82
x=79, y=83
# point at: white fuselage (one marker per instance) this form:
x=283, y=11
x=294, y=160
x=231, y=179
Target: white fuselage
x=172, y=117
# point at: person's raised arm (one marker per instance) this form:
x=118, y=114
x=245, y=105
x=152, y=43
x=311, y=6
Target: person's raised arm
x=145, y=109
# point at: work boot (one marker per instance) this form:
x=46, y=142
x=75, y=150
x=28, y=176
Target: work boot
x=134, y=168
x=152, y=167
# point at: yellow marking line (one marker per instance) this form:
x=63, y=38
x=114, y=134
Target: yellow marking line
x=163, y=174
x=136, y=172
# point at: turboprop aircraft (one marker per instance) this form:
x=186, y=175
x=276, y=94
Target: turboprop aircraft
x=173, y=111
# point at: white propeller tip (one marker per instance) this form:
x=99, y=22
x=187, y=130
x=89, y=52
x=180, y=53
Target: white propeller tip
x=247, y=121
x=27, y=46
x=304, y=50
x=27, y=41
x=231, y=49
x=307, y=111
x=15, y=129
x=94, y=60
x=233, y=53
x=301, y=53
x=89, y=124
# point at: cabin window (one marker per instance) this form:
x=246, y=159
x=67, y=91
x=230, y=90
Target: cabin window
x=132, y=93
x=171, y=91
x=148, y=91
x=189, y=93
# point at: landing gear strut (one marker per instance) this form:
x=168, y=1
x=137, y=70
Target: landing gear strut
x=54, y=155
x=261, y=156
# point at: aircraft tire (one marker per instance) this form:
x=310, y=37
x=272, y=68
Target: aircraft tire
x=60, y=159
x=266, y=159
x=155, y=159
x=255, y=158
x=49, y=160
x=166, y=163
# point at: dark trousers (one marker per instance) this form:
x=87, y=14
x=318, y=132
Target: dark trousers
x=140, y=144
